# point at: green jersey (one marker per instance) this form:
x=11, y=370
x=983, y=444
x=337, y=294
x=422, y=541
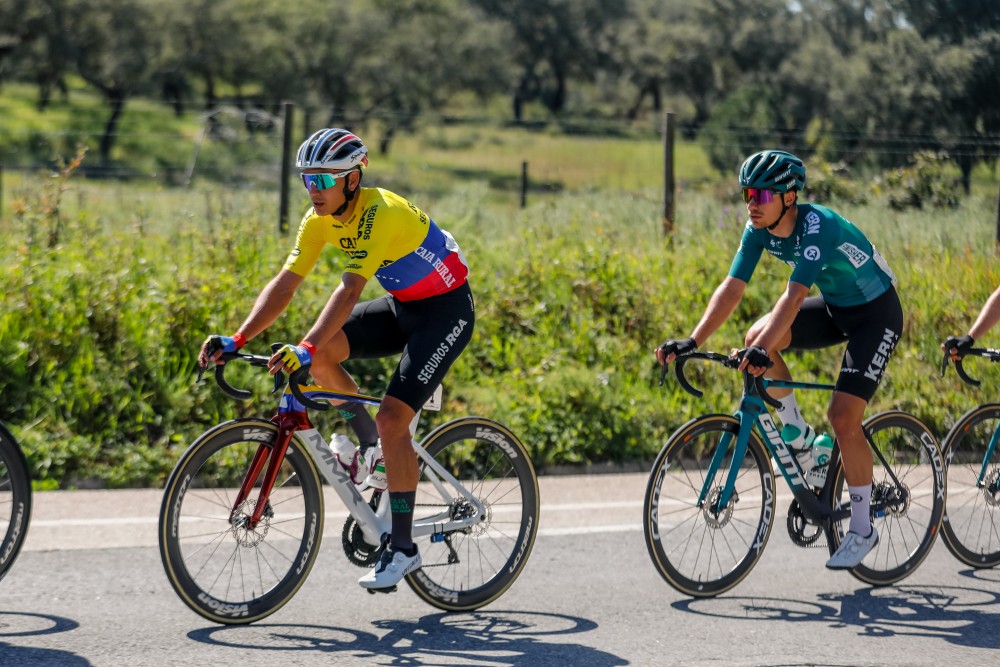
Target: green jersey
x=825, y=250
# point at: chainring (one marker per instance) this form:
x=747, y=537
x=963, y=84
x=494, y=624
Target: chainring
x=802, y=533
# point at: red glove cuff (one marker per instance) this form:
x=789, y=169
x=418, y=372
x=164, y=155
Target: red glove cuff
x=309, y=346
x=239, y=339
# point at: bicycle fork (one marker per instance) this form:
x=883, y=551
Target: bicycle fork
x=273, y=455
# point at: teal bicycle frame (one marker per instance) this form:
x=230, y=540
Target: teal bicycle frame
x=752, y=412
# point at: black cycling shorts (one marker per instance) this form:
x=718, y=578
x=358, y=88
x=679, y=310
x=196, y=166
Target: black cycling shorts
x=871, y=331
x=430, y=333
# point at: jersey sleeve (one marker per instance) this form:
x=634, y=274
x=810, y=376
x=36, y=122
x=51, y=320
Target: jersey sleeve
x=818, y=245
x=747, y=256
x=308, y=244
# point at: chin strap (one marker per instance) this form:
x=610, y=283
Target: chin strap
x=784, y=209
x=349, y=195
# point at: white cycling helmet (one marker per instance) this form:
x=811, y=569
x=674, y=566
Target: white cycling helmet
x=332, y=148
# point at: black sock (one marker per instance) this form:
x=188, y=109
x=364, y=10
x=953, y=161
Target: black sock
x=358, y=419
x=401, y=507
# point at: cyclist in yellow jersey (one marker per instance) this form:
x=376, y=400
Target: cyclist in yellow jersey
x=427, y=317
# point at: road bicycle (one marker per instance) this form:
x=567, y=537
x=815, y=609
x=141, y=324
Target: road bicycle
x=710, y=501
x=15, y=499
x=243, y=510
x=971, y=527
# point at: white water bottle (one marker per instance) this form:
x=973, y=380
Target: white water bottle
x=344, y=449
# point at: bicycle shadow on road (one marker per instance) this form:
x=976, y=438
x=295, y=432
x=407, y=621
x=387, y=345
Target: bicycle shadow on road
x=23, y=624
x=496, y=637
x=962, y=616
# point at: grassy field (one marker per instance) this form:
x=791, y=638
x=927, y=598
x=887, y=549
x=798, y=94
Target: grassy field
x=109, y=287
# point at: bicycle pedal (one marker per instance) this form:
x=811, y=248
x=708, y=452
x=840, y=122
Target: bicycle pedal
x=373, y=591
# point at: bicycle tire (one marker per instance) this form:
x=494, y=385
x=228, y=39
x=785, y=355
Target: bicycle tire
x=698, y=552
x=15, y=500
x=971, y=527
x=494, y=465
x=907, y=528
x=226, y=573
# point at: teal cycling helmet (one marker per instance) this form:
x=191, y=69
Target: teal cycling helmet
x=773, y=170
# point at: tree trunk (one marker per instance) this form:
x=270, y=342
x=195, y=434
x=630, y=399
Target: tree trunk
x=116, y=100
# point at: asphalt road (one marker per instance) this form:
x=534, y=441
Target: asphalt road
x=89, y=589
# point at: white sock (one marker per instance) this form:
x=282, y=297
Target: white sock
x=861, y=502
x=789, y=412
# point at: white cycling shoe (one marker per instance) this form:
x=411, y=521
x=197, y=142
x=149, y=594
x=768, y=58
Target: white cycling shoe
x=852, y=550
x=391, y=567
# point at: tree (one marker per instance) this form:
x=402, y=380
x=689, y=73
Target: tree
x=553, y=41
x=115, y=44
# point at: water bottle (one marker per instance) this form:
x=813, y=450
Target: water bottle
x=822, y=450
x=343, y=447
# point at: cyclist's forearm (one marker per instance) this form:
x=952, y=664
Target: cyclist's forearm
x=336, y=311
x=781, y=317
x=270, y=304
x=722, y=304
x=988, y=316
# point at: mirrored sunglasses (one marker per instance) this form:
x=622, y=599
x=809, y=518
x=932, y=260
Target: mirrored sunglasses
x=759, y=195
x=321, y=181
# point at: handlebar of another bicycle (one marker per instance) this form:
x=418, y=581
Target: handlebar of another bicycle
x=983, y=352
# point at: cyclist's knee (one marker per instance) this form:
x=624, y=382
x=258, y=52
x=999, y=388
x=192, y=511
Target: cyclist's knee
x=846, y=412
x=393, y=418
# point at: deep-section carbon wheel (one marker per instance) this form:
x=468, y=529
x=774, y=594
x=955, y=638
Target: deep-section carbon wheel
x=971, y=527
x=704, y=551
x=15, y=500
x=465, y=570
x=221, y=566
x=908, y=497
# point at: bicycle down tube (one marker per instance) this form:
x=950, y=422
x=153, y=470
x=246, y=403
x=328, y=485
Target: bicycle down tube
x=293, y=421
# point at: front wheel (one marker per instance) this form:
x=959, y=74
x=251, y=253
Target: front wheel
x=705, y=550
x=971, y=527
x=221, y=567
x=15, y=500
x=908, y=496
x=465, y=570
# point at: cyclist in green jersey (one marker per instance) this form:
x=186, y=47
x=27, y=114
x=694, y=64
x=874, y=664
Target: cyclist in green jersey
x=988, y=317
x=857, y=304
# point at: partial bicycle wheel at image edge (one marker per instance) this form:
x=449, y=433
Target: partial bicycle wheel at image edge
x=223, y=567
x=15, y=500
x=465, y=570
x=971, y=528
x=908, y=497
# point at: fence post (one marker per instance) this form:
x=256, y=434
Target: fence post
x=524, y=183
x=287, y=113
x=668, y=173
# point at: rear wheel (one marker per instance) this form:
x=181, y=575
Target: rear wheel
x=221, y=567
x=465, y=570
x=704, y=551
x=15, y=500
x=971, y=527
x=908, y=496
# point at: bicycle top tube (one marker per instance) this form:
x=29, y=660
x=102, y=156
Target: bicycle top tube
x=792, y=384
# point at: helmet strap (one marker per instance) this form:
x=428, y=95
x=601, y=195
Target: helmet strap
x=348, y=196
x=784, y=209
